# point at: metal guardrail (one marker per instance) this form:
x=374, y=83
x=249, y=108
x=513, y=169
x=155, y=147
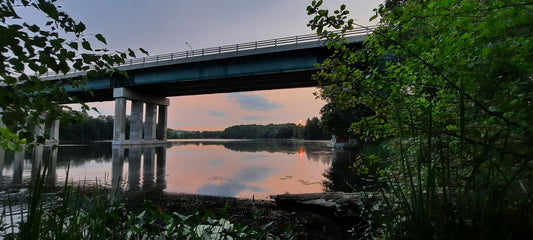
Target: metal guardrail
x=294, y=40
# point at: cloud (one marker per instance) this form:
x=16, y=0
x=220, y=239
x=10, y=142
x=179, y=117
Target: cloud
x=239, y=183
x=214, y=163
x=252, y=102
x=254, y=157
x=217, y=113
x=253, y=174
x=230, y=189
x=253, y=118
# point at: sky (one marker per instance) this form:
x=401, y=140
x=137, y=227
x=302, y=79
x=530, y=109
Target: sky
x=165, y=26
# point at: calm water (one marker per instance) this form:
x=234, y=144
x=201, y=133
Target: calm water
x=233, y=168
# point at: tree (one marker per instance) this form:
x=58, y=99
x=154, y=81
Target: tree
x=338, y=119
x=30, y=50
x=312, y=130
x=89, y=129
x=449, y=86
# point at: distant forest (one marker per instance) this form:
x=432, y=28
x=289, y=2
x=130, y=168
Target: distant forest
x=101, y=128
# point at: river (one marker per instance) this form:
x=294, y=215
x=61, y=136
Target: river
x=231, y=168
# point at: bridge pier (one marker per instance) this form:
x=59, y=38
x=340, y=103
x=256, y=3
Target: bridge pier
x=53, y=138
x=40, y=129
x=155, y=118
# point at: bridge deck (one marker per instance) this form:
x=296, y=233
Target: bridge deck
x=264, y=65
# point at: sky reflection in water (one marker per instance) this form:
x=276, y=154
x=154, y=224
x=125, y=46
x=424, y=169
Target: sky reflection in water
x=243, y=169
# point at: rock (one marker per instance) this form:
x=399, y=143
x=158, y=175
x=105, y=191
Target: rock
x=329, y=203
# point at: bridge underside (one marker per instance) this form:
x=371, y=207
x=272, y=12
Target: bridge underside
x=290, y=79
x=241, y=71
x=149, y=84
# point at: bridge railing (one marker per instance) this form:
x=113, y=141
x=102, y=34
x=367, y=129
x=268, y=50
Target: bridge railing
x=294, y=40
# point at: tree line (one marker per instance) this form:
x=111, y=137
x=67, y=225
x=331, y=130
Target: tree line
x=314, y=129
x=101, y=128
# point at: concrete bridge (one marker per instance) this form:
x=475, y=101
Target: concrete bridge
x=263, y=65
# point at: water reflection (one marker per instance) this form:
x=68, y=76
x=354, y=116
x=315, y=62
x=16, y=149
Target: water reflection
x=344, y=176
x=153, y=164
x=33, y=161
x=314, y=150
x=242, y=168
x=238, y=183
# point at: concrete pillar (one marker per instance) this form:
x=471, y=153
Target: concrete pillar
x=117, y=168
x=36, y=166
x=150, y=122
x=119, y=130
x=162, y=123
x=39, y=130
x=148, y=168
x=161, y=164
x=52, y=166
x=2, y=151
x=136, y=121
x=54, y=130
x=2, y=159
x=152, y=132
x=134, y=169
x=18, y=166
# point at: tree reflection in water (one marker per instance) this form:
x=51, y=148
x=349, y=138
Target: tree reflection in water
x=240, y=167
x=345, y=177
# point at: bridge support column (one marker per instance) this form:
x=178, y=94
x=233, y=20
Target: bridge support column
x=136, y=121
x=54, y=130
x=119, y=129
x=162, y=123
x=155, y=120
x=150, y=122
x=54, y=133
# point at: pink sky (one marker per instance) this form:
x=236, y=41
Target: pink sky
x=165, y=26
x=218, y=111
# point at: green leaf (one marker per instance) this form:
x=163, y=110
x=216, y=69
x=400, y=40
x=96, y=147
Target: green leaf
x=73, y=45
x=266, y=226
x=86, y=45
x=17, y=64
x=34, y=28
x=144, y=51
x=131, y=53
x=80, y=27
x=100, y=38
x=50, y=9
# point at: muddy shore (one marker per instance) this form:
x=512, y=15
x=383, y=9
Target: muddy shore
x=303, y=223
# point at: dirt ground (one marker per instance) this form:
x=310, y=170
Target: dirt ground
x=304, y=223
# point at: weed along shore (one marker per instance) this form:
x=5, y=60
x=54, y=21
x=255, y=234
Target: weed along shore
x=286, y=217
x=98, y=212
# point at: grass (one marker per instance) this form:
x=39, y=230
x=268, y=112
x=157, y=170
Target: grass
x=438, y=189
x=97, y=212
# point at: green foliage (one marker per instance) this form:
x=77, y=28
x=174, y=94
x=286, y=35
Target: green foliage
x=88, y=129
x=281, y=131
x=177, y=134
x=339, y=120
x=96, y=213
x=30, y=51
x=449, y=84
x=314, y=130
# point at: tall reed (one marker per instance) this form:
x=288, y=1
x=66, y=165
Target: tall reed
x=97, y=212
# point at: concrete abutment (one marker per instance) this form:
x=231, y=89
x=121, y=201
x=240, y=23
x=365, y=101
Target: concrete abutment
x=152, y=130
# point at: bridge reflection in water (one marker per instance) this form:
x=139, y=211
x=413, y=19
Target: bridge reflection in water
x=28, y=164
x=43, y=159
x=151, y=158
x=231, y=168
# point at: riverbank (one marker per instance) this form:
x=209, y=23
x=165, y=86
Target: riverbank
x=299, y=222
